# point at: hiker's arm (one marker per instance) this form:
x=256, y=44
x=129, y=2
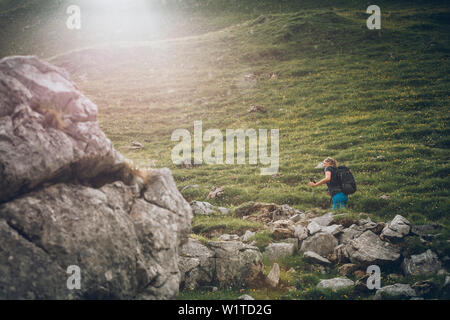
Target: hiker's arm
x=324, y=180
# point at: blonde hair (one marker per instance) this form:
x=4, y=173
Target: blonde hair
x=331, y=161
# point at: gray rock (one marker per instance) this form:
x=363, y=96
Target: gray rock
x=236, y=264
x=195, y=263
x=368, y=249
x=279, y=250
x=324, y=220
x=294, y=241
x=334, y=229
x=396, y=291
x=424, y=263
x=350, y=233
x=315, y=258
x=336, y=283
x=247, y=235
x=300, y=232
x=273, y=278
x=313, y=227
x=320, y=243
x=203, y=208
x=124, y=246
x=123, y=232
x=245, y=297
x=397, y=229
x=48, y=130
x=227, y=263
x=229, y=237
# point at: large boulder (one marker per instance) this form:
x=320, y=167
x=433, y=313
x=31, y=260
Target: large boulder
x=368, y=249
x=321, y=243
x=48, y=130
x=68, y=199
x=424, y=263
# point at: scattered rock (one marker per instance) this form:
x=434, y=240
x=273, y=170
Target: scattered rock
x=245, y=297
x=313, y=227
x=216, y=192
x=368, y=249
x=137, y=145
x=424, y=263
x=300, y=232
x=282, y=229
x=256, y=108
x=273, y=278
x=203, y=208
x=350, y=233
x=247, y=235
x=336, y=283
x=385, y=197
x=396, y=292
x=315, y=258
x=397, y=229
x=334, y=229
x=321, y=243
x=275, y=251
x=324, y=220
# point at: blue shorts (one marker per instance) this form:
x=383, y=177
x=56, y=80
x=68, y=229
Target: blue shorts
x=339, y=200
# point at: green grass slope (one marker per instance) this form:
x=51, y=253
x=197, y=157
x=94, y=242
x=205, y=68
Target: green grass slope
x=376, y=101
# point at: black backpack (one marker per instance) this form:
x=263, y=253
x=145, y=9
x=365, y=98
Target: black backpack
x=346, y=179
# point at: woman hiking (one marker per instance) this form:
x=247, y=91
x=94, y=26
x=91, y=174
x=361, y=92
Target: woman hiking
x=338, y=197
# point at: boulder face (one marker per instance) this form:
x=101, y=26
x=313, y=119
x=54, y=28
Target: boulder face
x=223, y=263
x=368, y=249
x=68, y=198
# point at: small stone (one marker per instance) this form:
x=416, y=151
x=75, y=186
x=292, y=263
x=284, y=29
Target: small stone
x=315, y=258
x=336, y=283
x=245, y=297
x=273, y=278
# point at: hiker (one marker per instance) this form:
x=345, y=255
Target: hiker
x=338, y=197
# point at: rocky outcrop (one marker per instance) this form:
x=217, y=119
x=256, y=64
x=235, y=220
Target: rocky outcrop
x=395, y=230
x=368, y=249
x=67, y=198
x=223, y=263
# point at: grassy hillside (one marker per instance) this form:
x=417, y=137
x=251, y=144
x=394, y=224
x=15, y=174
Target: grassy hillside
x=377, y=101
